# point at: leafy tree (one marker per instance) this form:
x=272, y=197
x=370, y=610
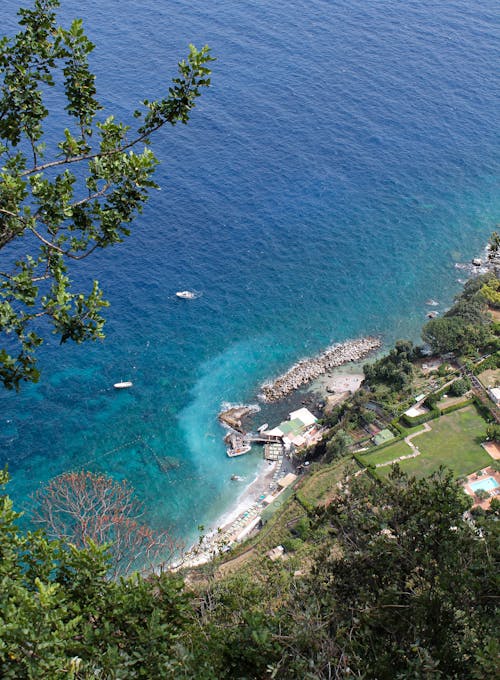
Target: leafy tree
x=493, y=432
x=494, y=242
x=84, y=508
x=338, y=445
x=454, y=334
x=409, y=590
x=491, y=293
x=460, y=387
x=395, y=369
x=61, y=617
x=473, y=286
x=67, y=199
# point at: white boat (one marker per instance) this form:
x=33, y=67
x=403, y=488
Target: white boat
x=123, y=385
x=186, y=294
x=240, y=451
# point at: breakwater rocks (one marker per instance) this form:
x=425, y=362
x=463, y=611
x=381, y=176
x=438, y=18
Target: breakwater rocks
x=234, y=416
x=307, y=369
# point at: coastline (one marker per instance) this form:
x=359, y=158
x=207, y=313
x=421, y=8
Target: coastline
x=235, y=520
x=308, y=369
x=238, y=521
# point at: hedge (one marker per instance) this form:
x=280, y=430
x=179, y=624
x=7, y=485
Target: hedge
x=491, y=362
x=456, y=407
x=483, y=410
x=423, y=418
x=397, y=426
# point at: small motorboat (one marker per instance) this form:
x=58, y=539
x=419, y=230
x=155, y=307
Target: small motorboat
x=123, y=385
x=186, y=294
x=240, y=451
x=431, y=302
x=236, y=478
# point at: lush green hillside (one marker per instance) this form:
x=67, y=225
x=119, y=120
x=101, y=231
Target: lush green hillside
x=396, y=584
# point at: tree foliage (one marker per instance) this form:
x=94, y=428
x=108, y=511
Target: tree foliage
x=460, y=387
x=494, y=242
x=338, y=445
x=402, y=586
x=491, y=292
x=61, y=616
x=60, y=202
x=465, y=328
x=395, y=369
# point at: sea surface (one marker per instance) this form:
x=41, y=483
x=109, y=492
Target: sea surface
x=346, y=157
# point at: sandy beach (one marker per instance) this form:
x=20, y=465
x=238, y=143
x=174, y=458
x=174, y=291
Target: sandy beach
x=337, y=382
x=234, y=523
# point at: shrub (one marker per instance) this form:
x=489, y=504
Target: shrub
x=303, y=528
x=493, y=431
x=292, y=544
x=456, y=407
x=443, y=370
x=491, y=362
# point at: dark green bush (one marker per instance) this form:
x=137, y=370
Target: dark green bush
x=459, y=387
x=292, y=544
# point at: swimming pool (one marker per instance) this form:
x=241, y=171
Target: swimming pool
x=487, y=484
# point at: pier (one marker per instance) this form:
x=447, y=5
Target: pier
x=239, y=444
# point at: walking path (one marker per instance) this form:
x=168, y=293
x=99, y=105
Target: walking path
x=408, y=440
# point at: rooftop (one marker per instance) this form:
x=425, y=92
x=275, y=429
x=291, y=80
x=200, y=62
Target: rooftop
x=304, y=415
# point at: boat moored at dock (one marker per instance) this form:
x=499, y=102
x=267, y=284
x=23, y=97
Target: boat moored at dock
x=239, y=451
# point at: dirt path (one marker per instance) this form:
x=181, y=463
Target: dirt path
x=408, y=439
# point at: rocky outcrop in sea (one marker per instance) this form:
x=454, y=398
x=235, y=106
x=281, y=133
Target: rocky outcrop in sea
x=234, y=416
x=308, y=369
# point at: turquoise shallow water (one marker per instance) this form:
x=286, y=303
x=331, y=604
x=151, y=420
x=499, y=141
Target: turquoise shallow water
x=346, y=157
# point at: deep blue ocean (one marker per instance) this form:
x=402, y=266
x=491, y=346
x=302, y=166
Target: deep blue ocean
x=345, y=158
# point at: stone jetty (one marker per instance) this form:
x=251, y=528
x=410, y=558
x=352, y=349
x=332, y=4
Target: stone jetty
x=308, y=369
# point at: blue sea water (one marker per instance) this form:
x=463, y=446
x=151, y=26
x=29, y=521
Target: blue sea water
x=345, y=158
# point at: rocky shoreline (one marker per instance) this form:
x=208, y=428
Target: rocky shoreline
x=307, y=369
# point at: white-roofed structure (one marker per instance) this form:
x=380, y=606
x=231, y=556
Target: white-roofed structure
x=301, y=429
x=304, y=415
x=494, y=393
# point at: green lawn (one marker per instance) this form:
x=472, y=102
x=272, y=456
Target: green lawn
x=322, y=483
x=386, y=454
x=455, y=441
